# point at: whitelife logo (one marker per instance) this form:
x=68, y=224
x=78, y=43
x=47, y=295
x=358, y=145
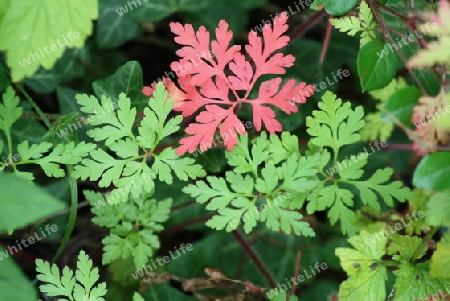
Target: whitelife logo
x=394, y=228
x=11, y=250
x=319, y=267
x=362, y=155
x=35, y=56
x=341, y=74
x=124, y=9
x=390, y=48
x=165, y=259
x=292, y=10
x=87, y=120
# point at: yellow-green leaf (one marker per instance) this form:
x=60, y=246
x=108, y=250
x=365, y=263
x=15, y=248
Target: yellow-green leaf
x=35, y=33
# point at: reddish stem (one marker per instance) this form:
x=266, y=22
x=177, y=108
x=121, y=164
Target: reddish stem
x=186, y=224
x=296, y=270
x=326, y=41
x=399, y=146
x=393, y=12
x=181, y=206
x=255, y=258
x=376, y=13
x=402, y=36
x=307, y=25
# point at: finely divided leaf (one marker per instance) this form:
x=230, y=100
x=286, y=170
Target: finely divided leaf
x=210, y=76
x=336, y=124
x=126, y=163
x=257, y=189
x=58, y=285
x=10, y=111
x=80, y=288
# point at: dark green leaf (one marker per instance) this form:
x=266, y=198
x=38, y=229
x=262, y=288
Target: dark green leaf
x=231, y=11
x=14, y=285
x=376, y=65
x=66, y=100
x=155, y=10
x=114, y=29
x=66, y=68
x=401, y=104
x=433, y=172
x=23, y=203
x=127, y=79
x=338, y=7
x=164, y=292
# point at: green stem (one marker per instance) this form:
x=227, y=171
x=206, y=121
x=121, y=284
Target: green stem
x=72, y=213
x=41, y=114
x=423, y=244
x=72, y=182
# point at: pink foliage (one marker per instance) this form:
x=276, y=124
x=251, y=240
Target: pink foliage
x=219, y=78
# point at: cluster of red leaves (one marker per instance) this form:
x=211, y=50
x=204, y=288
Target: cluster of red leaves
x=213, y=75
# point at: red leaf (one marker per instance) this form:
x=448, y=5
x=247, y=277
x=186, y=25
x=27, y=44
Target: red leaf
x=203, y=131
x=217, y=76
x=172, y=90
x=243, y=73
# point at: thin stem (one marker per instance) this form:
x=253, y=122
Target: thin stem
x=35, y=107
x=72, y=182
x=423, y=244
x=410, y=133
x=186, y=224
x=80, y=205
x=296, y=271
x=72, y=214
x=34, y=116
x=326, y=41
x=373, y=7
x=402, y=36
x=255, y=258
x=308, y=24
x=393, y=12
x=390, y=263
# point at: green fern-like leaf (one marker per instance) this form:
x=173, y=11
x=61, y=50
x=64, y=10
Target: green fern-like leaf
x=376, y=128
x=125, y=166
x=352, y=25
x=335, y=126
x=45, y=154
x=79, y=288
x=268, y=180
x=133, y=226
x=10, y=111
